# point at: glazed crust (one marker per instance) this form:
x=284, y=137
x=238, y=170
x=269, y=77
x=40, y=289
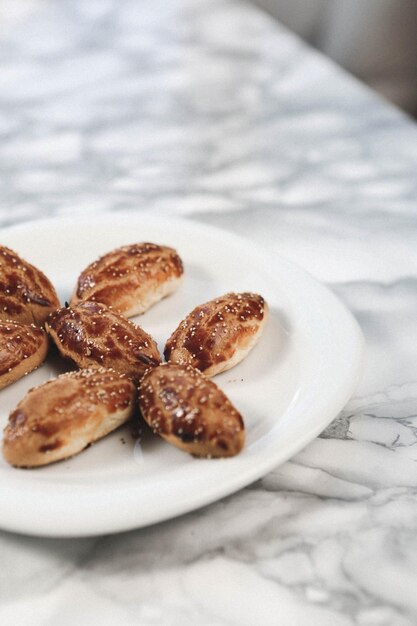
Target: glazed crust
x=26, y=294
x=92, y=335
x=61, y=417
x=190, y=411
x=217, y=335
x=131, y=279
x=22, y=349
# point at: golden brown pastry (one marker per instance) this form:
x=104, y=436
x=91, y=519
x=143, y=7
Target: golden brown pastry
x=217, y=335
x=22, y=349
x=190, y=411
x=64, y=415
x=26, y=295
x=131, y=279
x=92, y=335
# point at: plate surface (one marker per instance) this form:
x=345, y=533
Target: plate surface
x=291, y=385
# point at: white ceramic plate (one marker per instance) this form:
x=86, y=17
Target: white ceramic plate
x=293, y=383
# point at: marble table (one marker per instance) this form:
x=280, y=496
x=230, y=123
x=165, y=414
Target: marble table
x=209, y=109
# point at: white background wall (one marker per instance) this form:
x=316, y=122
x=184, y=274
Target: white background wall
x=375, y=39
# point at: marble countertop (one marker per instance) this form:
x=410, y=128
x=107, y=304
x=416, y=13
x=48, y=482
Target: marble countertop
x=211, y=110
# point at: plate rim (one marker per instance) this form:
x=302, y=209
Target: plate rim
x=322, y=415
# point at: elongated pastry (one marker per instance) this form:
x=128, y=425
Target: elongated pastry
x=92, y=335
x=61, y=417
x=189, y=411
x=217, y=335
x=131, y=279
x=22, y=349
x=26, y=294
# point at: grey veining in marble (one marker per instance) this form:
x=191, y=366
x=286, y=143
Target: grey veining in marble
x=209, y=109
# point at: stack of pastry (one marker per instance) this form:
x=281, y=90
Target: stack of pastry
x=119, y=363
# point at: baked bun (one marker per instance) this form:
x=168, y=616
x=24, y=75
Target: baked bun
x=216, y=335
x=26, y=295
x=92, y=335
x=131, y=279
x=64, y=415
x=22, y=349
x=190, y=411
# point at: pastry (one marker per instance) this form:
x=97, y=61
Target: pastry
x=22, y=349
x=92, y=335
x=131, y=279
x=189, y=411
x=26, y=295
x=217, y=335
x=64, y=415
